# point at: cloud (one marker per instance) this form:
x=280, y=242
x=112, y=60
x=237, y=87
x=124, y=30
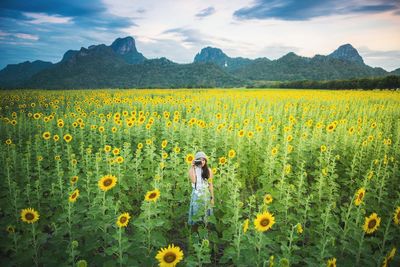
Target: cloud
x=308, y=9
x=25, y=36
x=389, y=60
x=206, y=12
x=82, y=13
x=39, y=18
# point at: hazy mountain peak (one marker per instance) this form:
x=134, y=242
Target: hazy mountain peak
x=123, y=46
x=347, y=52
x=210, y=54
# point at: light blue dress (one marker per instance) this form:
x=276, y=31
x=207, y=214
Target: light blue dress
x=200, y=206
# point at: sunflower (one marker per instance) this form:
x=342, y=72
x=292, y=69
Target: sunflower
x=245, y=225
x=274, y=151
x=189, y=158
x=164, y=155
x=119, y=159
x=152, y=195
x=359, y=196
x=46, y=135
x=123, y=219
x=371, y=223
x=385, y=262
x=268, y=199
x=29, y=215
x=74, y=196
x=330, y=127
x=107, y=182
x=8, y=141
x=10, y=229
x=299, y=228
x=396, y=216
x=56, y=137
x=140, y=146
x=250, y=134
x=289, y=138
x=391, y=254
x=116, y=151
x=222, y=160
x=231, y=153
x=67, y=138
x=264, y=221
x=241, y=133
x=323, y=148
x=81, y=263
x=74, y=179
x=107, y=148
x=164, y=143
x=177, y=149
x=170, y=256
x=36, y=116
x=331, y=262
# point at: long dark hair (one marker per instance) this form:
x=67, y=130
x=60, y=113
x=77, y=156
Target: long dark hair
x=205, y=172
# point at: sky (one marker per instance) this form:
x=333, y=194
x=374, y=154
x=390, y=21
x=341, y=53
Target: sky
x=177, y=30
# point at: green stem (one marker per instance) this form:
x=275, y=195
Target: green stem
x=359, y=249
x=290, y=242
x=35, y=258
x=259, y=248
x=120, y=245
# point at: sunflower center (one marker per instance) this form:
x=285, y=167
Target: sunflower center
x=123, y=219
x=29, y=216
x=169, y=257
x=107, y=182
x=398, y=215
x=264, y=222
x=73, y=195
x=152, y=195
x=371, y=224
x=360, y=196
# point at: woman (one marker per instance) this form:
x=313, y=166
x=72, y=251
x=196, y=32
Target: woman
x=202, y=199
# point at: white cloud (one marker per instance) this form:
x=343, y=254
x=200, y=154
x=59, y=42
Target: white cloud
x=39, y=18
x=25, y=36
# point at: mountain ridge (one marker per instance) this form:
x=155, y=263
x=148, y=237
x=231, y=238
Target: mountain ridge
x=121, y=64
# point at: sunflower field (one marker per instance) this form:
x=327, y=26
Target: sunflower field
x=100, y=177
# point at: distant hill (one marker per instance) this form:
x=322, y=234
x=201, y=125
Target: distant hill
x=100, y=67
x=121, y=65
x=14, y=75
x=292, y=67
x=395, y=72
x=216, y=56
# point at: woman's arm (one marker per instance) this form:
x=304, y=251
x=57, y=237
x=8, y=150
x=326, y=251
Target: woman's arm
x=192, y=174
x=210, y=186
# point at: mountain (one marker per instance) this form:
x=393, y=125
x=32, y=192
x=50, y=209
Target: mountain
x=292, y=67
x=121, y=65
x=126, y=48
x=100, y=66
x=347, y=52
x=216, y=56
x=395, y=72
x=14, y=75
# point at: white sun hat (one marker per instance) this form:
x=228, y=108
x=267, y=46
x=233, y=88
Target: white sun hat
x=200, y=154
